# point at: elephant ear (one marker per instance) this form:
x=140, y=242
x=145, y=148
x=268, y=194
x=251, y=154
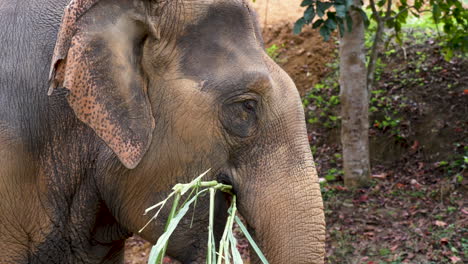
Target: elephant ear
x=97, y=59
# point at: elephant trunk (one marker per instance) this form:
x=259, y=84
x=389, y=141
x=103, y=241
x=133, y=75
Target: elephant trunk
x=289, y=223
x=282, y=204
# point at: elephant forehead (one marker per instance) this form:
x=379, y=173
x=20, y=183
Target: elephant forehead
x=221, y=43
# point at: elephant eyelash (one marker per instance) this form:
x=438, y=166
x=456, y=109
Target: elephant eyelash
x=250, y=105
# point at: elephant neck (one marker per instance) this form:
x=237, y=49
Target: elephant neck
x=58, y=215
x=85, y=232
x=81, y=229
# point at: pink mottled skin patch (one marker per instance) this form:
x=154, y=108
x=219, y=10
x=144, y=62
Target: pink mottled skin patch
x=85, y=63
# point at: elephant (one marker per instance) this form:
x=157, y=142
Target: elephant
x=106, y=104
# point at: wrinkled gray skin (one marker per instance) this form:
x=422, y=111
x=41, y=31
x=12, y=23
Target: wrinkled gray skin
x=217, y=101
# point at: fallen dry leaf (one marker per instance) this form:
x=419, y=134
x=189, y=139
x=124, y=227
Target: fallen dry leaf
x=400, y=185
x=340, y=188
x=465, y=210
x=455, y=259
x=380, y=176
x=440, y=223
x=420, y=165
x=415, y=145
x=415, y=183
x=363, y=198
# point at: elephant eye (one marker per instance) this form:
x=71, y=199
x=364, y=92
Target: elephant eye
x=250, y=105
x=239, y=118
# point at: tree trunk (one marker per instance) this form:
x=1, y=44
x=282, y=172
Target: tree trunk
x=354, y=103
x=374, y=56
x=378, y=39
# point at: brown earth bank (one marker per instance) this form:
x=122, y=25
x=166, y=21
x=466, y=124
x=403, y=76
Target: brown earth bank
x=305, y=57
x=273, y=12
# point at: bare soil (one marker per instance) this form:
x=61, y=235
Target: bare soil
x=273, y=12
x=304, y=57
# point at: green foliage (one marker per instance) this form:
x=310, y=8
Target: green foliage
x=387, y=107
x=464, y=242
x=333, y=174
x=331, y=15
x=422, y=22
x=450, y=15
x=454, y=20
x=327, y=193
x=321, y=103
x=274, y=51
x=457, y=166
x=384, y=251
x=251, y=241
x=227, y=249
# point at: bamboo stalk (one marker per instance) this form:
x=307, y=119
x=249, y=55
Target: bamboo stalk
x=169, y=218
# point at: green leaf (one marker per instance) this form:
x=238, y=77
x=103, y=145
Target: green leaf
x=330, y=24
x=164, y=238
x=418, y=4
x=298, y=25
x=349, y=22
x=330, y=177
x=317, y=23
x=161, y=205
x=325, y=33
x=402, y=16
x=436, y=13
x=309, y=14
x=211, y=258
x=195, y=181
x=306, y=3
x=251, y=241
x=340, y=11
x=397, y=27
x=236, y=256
x=153, y=256
x=381, y=3
x=447, y=27
x=390, y=23
x=225, y=239
x=322, y=7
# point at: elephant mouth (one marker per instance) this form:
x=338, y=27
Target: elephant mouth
x=242, y=243
x=226, y=178
x=223, y=202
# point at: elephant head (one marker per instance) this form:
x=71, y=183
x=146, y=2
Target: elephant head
x=173, y=88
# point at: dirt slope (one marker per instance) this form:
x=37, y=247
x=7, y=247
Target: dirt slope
x=304, y=57
x=272, y=12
